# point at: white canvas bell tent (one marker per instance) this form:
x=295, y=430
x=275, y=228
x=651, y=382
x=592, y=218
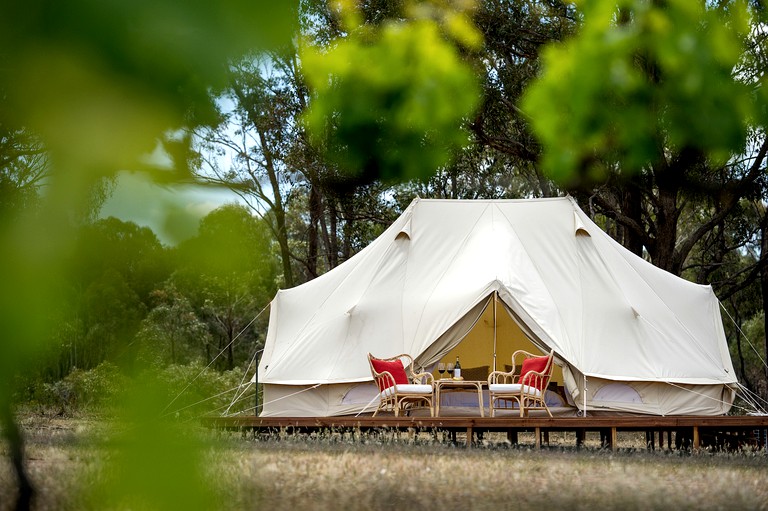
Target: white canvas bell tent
x=637, y=338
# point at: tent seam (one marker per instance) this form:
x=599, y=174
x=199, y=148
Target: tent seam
x=538, y=270
x=440, y=278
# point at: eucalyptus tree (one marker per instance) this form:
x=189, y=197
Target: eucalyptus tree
x=250, y=151
x=172, y=332
x=114, y=267
x=316, y=160
x=228, y=273
x=477, y=172
x=514, y=35
x=23, y=169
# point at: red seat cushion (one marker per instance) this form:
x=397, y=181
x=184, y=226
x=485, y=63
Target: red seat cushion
x=535, y=364
x=395, y=368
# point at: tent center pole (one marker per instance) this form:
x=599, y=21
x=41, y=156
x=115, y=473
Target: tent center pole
x=495, y=295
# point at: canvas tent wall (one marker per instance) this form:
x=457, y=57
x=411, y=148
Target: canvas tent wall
x=652, y=341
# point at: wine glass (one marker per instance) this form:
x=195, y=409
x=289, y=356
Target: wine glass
x=441, y=369
x=449, y=367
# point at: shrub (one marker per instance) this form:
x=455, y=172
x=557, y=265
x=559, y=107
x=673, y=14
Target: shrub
x=80, y=390
x=185, y=391
x=193, y=390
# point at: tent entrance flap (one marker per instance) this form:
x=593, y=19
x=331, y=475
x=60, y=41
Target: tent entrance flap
x=482, y=337
x=453, y=336
x=524, y=328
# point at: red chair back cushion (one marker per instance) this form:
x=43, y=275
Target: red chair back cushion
x=395, y=368
x=535, y=364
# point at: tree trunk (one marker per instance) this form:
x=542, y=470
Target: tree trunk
x=631, y=205
x=764, y=282
x=315, y=213
x=666, y=232
x=230, y=349
x=326, y=237
x=333, y=254
x=12, y=433
x=346, y=251
x=230, y=338
x=545, y=185
x=278, y=211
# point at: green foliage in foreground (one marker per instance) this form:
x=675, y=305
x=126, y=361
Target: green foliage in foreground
x=389, y=101
x=641, y=77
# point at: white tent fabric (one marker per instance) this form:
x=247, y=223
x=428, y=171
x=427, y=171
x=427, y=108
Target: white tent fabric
x=609, y=315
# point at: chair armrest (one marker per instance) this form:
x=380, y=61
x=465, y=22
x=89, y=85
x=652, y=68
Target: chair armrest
x=386, y=377
x=535, y=379
x=419, y=378
x=501, y=377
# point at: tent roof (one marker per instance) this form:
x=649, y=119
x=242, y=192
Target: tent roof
x=604, y=310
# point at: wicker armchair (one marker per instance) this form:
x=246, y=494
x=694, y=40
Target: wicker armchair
x=400, y=392
x=528, y=389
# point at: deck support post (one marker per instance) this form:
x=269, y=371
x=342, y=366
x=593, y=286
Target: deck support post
x=469, y=436
x=696, y=438
x=538, y=437
x=650, y=442
x=580, y=437
x=614, y=439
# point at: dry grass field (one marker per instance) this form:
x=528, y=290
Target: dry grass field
x=71, y=462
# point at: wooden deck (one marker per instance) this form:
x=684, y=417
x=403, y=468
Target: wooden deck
x=702, y=431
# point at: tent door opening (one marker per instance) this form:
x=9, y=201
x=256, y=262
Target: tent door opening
x=490, y=338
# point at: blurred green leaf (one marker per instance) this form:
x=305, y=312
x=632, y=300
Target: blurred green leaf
x=100, y=83
x=156, y=464
x=389, y=101
x=663, y=75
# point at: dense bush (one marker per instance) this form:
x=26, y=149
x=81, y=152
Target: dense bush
x=186, y=391
x=80, y=390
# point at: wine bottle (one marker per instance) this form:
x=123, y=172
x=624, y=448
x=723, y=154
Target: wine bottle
x=457, y=369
